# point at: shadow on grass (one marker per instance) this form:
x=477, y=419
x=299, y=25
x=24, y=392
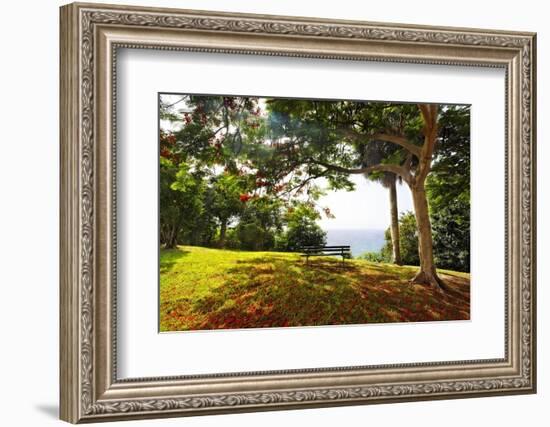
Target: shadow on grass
x=457, y=287
x=170, y=257
x=269, y=291
x=327, y=265
x=277, y=291
x=330, y=266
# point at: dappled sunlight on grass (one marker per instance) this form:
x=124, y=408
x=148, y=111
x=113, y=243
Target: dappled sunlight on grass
x=203, y=288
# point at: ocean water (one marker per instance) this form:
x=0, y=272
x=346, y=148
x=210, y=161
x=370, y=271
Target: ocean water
x=360, y=240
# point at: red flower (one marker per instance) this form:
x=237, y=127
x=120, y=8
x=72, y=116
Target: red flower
x=244, y=198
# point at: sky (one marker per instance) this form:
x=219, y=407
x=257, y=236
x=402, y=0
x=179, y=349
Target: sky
x=366, y=208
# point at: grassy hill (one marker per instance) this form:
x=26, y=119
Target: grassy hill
x=203, y=288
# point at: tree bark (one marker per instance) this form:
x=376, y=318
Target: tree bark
x=171, y=239
x=394, y=228
x=223, y=233
x=427, y=274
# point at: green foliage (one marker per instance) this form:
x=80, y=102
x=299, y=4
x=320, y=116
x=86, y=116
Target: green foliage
x=304, y=233
x=252, y=236
x=316, y=137
x=302, y=230
x=231, y=240
x=408, y=240
x=451, y=236
x=449, y=179
x=261, y=220
x=448, y=189
x=379, y=257
x=181, y=192
x=226, y=203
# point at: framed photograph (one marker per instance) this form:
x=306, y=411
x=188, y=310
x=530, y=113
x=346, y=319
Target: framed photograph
x=266, y=212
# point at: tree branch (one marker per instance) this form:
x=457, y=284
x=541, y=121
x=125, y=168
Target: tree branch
x=398, y=140
x=395, y=139
x=304, y=183
x=429, y=115
x=174, y=103
x=396, y=169
x=426, y=112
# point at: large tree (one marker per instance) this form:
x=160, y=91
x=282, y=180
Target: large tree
x=328, y=139
x=414, y=175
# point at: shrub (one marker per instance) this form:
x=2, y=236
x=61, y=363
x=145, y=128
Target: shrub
x=451, y=236
x=408, y=240
x=374, y=257
x=304, y=233
x=253, y=237
x=301, y=229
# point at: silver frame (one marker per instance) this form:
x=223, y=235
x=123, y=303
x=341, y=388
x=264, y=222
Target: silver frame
x=90, y=37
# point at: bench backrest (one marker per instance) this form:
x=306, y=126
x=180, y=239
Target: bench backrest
x=314, y=249
x=324, y=247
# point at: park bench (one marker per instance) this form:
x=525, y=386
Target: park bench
x=309, y=251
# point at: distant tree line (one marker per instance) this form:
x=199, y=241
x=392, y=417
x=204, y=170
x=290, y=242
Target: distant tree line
x=204, y=209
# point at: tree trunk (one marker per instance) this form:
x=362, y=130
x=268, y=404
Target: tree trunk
x=223, y=233
x=394, y=228
x=427, y=273
x=163, y=238
x=171, y=238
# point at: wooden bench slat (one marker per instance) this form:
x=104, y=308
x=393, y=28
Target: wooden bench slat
x=325, y=250
x=341, y=250
x=325, y=247
x=307, y=255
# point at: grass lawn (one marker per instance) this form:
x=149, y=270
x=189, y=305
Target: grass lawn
x=204, y=288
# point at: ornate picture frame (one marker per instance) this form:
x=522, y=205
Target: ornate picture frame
x=90, y=37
